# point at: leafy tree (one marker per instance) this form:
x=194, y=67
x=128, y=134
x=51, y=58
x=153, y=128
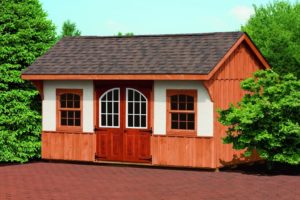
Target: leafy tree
x=25, y=34
x=120, y=34
x=69, y=29
x=274, y=28
x=267, y=118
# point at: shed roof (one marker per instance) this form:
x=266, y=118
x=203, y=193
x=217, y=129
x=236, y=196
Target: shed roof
x=142, y=54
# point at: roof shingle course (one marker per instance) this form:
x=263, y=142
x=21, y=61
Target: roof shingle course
x=148, y=54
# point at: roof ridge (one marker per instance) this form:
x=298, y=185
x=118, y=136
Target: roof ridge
x=152, y=35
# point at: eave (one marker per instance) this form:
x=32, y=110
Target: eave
x=115, y=77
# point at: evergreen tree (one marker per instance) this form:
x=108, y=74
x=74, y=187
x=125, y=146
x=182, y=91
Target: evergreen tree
x=25, y=34
x=69, y=29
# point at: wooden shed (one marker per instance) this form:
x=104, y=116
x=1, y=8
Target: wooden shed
x=142, y=99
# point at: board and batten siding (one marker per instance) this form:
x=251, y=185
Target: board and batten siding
x=225, y=89
x=204, y=106
x=49, y=103
x=60, y=145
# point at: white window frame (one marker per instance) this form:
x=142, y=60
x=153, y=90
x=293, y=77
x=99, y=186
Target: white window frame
x=100, y=105
x=146, y=114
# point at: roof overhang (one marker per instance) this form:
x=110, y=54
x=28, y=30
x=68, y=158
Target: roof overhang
x=115, y=77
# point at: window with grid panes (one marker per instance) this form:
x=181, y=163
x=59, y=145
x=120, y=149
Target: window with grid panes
x=136, y=109
x=110, y=108
x=182, y=110
x=69, y=108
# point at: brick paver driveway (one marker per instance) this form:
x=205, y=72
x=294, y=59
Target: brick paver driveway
x=75, y=181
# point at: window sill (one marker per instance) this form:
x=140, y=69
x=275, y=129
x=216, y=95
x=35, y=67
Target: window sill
x=70, y=129
x=182, y=134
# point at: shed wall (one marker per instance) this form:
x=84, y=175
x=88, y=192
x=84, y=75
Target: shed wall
x=204, y=106
x=225, y=89
x=49, y=103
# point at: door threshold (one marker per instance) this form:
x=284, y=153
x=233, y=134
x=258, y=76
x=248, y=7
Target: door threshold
x=122, y=163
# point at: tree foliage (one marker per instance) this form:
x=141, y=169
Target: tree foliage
x=274, y=28
x=25, y=34
x=120, y=34
x=267, y=118
x=69, y=29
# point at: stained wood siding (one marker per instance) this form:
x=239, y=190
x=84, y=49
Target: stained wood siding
x=224, y=88
x=183, y=151
x=68, y=146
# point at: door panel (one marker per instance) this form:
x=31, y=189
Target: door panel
x=124, y=131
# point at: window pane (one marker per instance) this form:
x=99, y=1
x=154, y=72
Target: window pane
x=116, y=95
x=182, y=117
x=174, y=117
x=76, y=104
x=174, y=125
x=190, y=99
x=70, y=114
x=182, y=106
x=77, y=122
x=130, y=108
x=174, y=106
x=63, y=104
x=63, y=97
x=77, y=114
x=116, y=120
x=174, y=99
x=76, y=97
x=70, y=122
x=182, y=98
x=109, y=107
x=136, y=108
x=190, y=106
x=136, y=96
x=69, y=104
x=109, y=120
x=109, y=96
x=130, y=120
x=103, y=120
x=136, y=121
x=130, y=95
x=143, y=98
x=63, y=114
x=63, y=122
x=116, y=107
x=143, y=121
x=143, y=108
x=103, y=107
x=191, y=117
x=191, y=126
x=182, y=125
x=70, y=97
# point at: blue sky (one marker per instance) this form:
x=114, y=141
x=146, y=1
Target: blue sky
x=108, y=17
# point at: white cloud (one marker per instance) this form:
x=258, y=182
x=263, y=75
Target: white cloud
x=242, y=13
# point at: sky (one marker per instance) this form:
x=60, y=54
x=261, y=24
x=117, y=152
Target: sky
x=108, y=17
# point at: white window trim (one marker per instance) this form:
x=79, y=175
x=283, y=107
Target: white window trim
x=105, y=93
x=146, y=114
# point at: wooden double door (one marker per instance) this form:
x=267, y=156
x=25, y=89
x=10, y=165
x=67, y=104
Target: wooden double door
x=123, y=129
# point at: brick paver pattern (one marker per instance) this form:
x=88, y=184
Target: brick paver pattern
x=75, y=181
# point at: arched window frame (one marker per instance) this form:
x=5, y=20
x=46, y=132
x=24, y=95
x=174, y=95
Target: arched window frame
x=146, y=113
x=184, y=132
x=59, y=109
x=100, y=108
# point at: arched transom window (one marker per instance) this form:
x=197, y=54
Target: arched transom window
x=110, y=108
x=136, y=109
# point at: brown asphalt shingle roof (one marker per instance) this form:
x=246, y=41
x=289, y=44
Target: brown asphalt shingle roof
x=145, y=54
